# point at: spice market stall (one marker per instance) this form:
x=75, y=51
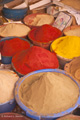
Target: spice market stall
x=39, y=60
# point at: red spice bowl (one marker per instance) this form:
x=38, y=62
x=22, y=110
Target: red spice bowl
x=38, y=19
x=44, y=35
x=10, y=46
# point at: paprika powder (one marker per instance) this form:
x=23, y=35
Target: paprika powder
x=34, y=58
x=13, y=45
x=44, y=33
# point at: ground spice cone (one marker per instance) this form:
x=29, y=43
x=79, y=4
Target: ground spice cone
x=12, y=46
x=44, y=33
x=35, y=58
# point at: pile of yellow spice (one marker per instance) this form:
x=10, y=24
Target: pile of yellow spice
x=66, y=47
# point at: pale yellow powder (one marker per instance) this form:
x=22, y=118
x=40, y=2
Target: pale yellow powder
x=42, y=19
x=14, y=29
x=49, y=93
x=7, y=84
x=74, y=32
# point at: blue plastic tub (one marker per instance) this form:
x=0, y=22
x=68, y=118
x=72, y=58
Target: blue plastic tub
x=33, y=114
x=8, y=59
x=14, y=14
x=7, y=106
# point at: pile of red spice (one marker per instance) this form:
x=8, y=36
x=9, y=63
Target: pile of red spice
x=35, y=58
x=44, y=33
x=12, y=46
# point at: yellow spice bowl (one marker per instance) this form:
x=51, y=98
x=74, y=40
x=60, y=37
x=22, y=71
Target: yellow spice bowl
x=62, y=60
x=66, y=48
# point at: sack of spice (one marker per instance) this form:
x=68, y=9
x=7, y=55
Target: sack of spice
x=11, y=45
x=44, y=35
x=35, y=58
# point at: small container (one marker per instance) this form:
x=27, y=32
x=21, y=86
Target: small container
x=14, y=14
x=30, y=113
x=7, y=59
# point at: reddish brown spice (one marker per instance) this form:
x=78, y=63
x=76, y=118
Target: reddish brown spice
x=35, y=58
x=12, y=46
x=44, y=33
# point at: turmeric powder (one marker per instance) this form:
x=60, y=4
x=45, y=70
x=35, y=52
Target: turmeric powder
x=66, y=47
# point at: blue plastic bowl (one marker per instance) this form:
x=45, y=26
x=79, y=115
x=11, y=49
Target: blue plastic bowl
x=14, y=14
x=7, y=106
x=8, y=59
x=33, y=114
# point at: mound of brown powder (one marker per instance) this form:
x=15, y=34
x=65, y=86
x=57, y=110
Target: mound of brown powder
x=49, y=93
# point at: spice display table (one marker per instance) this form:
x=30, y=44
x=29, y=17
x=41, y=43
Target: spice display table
x=40, y=34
